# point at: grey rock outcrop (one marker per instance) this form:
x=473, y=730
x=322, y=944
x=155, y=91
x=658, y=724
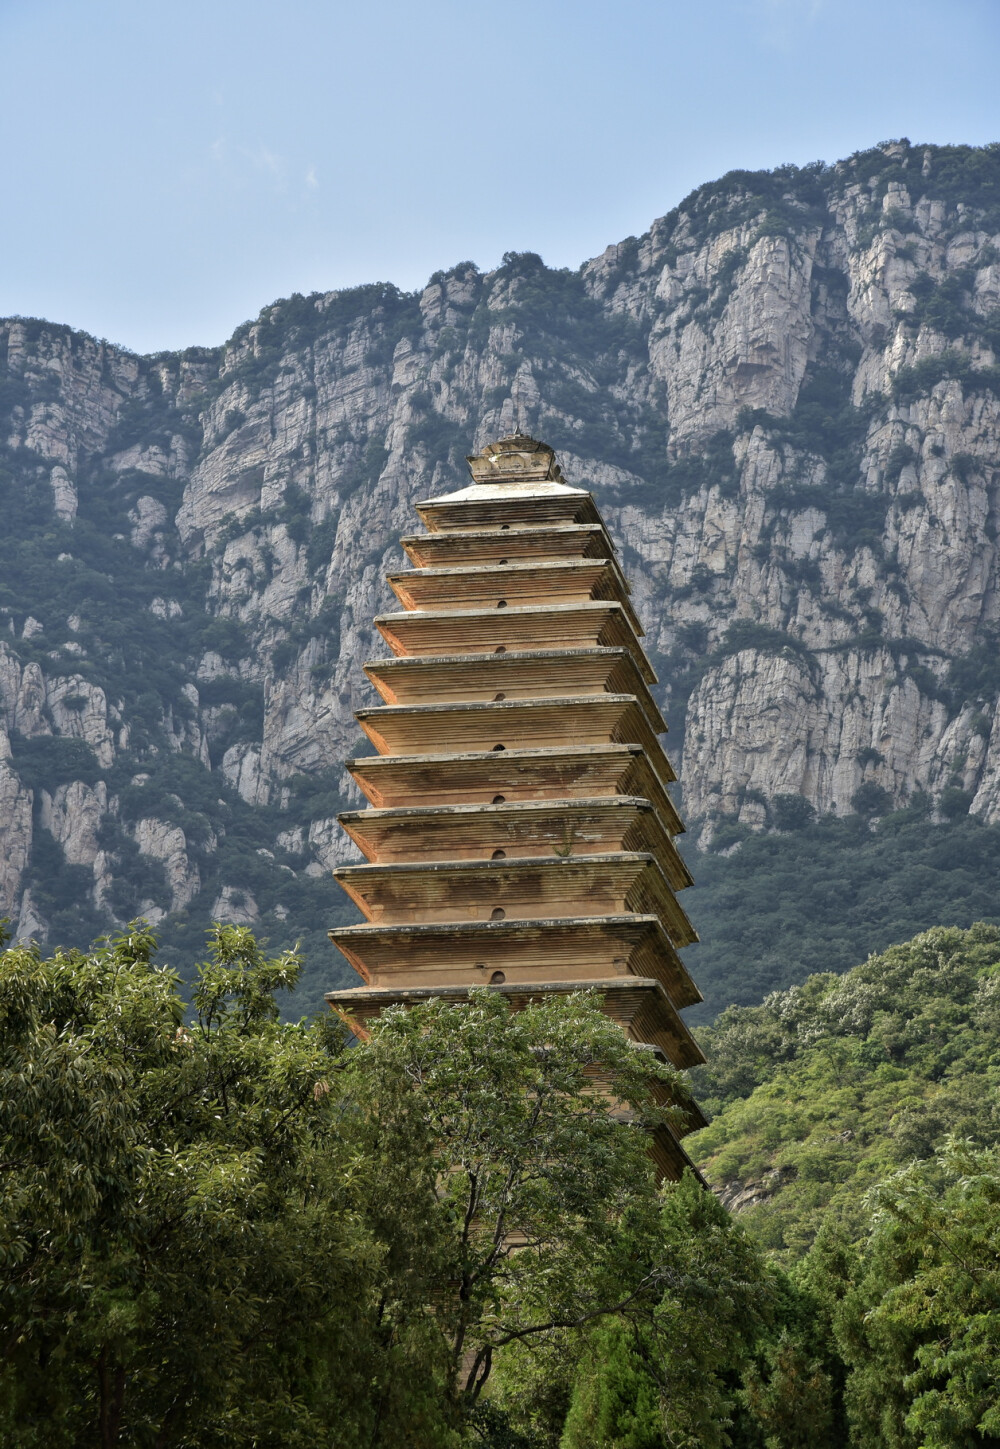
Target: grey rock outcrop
x=15, y=832
x=785, y=394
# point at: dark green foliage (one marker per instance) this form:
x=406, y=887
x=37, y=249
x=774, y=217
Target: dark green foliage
x=919, y=1326
x=551, y=305
x=791, y=812
x=138, y=883
x=666, y=483
x=323, y=625
x=748, y=634
x=45, y=762
x=970, y=174
x=673, y=1376
x=901, y=455
x=734, y=1353
x=225, y=1231
x=62, y=893
x=298, y=322
x=943, y=306
x=26, y=500
x=922, y=377
x=856, y=1116
x=491, y=1426
x=870, y=799
x=579, y=347
x=830, y=1085
x=966, y=174
x=827, y=894
x=294, y=514
x=783, y=201
x=953, y=803
x=176, y=1250
x=825, y=424
x=825, y=421
x=242, y=694
x=712, y=467
x=261, y=1239
x=975, y=677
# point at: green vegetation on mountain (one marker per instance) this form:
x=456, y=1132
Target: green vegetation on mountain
x=919, y=1327
x=816, y=895
x=827, y=1087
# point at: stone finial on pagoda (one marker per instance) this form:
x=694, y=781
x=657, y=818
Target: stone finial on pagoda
x=519, y=834
x=515, y=459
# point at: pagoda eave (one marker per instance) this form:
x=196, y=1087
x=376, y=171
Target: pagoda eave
x=526, y=674
x=583, y=625
x=520, y=828
x=508, y=505
x=640, y=1005
x=467, y=952
x=520, y=887
x=516, y=724
x=487, y=545
x=485, y=777
x=517, y=585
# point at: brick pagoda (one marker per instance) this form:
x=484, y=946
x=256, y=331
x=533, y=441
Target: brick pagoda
x=519, y=833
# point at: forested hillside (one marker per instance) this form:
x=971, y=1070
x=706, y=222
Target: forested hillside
x=827, y=1087
x=819, y=894
x=785, y=398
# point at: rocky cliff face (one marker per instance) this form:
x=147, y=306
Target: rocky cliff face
x=786, y=396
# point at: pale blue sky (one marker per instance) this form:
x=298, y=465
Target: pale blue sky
x=167, y=169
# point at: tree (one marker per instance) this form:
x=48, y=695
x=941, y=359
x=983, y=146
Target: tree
x=792, y=1399
x=519, y=1142
x=672, y=1376
x=920, y=1326
x=175, y=1250
x=218, y=1229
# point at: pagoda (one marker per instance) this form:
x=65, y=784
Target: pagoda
x=519, y=834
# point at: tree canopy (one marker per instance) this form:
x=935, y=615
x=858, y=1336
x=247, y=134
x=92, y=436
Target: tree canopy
x=218, y=1228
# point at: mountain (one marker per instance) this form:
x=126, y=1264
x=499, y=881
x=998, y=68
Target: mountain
x=786, y=396
x=827, y=1088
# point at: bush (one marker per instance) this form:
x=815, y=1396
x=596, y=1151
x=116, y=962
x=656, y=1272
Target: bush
x=45, y=762
x=953, y=803
x=871, y=799
x=791, y=812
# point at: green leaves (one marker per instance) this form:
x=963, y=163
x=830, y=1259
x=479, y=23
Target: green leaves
x=671, y=1375
x=226, y=1230
x=503, y=1132
x=920, y=1326
x=171, y=1235
x=857, y=1135
x=831, y=1086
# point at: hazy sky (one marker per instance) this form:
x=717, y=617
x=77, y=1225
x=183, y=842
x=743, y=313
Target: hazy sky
x=168, y=169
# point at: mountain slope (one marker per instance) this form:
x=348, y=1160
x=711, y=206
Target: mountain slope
x=785, y=395
x=821, y=895
x=828, y=1087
